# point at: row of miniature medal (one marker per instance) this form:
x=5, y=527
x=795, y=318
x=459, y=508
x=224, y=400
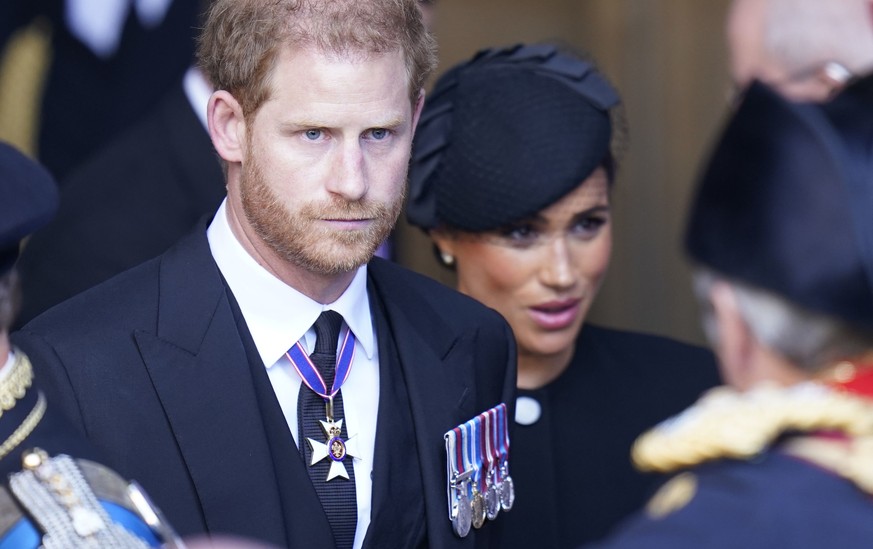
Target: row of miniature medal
x=479, y=485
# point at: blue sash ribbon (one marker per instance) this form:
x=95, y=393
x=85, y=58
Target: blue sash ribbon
x=309, y=373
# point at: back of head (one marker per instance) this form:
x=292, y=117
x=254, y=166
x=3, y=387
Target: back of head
x=241, y=39
x=784, y=207
x=506, y=134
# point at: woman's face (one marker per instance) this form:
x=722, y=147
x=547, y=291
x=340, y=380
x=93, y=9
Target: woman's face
x=541, y=273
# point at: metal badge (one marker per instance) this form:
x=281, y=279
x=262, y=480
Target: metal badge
x=336, y=449
x=492, y=501
x=507, y=492
x=477, y=506
x=462, y=515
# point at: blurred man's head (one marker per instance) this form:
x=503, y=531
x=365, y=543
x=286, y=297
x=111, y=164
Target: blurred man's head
x=781, y=226
x=805, y=49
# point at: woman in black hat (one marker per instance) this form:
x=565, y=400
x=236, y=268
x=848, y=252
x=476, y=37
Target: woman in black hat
x=511, y=176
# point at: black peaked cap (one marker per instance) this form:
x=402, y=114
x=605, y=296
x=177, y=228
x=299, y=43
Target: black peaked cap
x=785, y=202
x=506, y=134
x=28, y=200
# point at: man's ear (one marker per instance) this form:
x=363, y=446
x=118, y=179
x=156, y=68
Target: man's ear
x=227, y=126
x=736, y=343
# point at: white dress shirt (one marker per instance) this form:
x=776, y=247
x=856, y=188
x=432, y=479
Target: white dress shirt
x=278, y=316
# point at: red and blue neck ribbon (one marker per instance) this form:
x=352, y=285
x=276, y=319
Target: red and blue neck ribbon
x=309, y=373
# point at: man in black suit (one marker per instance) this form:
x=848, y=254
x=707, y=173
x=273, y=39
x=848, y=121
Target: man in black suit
x=192, y=372
x=129, y=203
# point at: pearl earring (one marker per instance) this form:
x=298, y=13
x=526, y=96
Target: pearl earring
x=447, y=258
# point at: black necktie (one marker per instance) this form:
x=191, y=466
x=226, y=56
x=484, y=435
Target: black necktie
x=337, y=495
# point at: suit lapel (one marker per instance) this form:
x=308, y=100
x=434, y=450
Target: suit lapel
x=199, y=369
x=437, y=367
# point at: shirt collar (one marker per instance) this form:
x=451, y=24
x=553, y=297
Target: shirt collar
x=276, y=314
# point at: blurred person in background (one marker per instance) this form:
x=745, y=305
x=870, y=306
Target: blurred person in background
x=53, y=493
x=780, y=231
x=511, y=176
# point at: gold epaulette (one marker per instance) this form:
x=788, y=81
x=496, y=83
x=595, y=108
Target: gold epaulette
x=726, y=423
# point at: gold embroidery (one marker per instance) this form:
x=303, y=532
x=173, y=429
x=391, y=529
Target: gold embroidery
x=16, y=383
x=729, y=424
x=671, y=497
x=27, y=426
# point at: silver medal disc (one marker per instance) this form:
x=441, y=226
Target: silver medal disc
x=507, y=493
x=463, y=518
x=492, y=502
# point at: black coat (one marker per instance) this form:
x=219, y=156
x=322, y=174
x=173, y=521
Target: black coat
x=572, y=468
x=153, y=367
x=134, y=200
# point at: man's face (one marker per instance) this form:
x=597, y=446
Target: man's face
x=324, y=172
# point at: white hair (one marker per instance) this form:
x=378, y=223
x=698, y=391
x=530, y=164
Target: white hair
x=802, y=34
x=810, y=341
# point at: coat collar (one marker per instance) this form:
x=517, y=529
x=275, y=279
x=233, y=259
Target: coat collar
x=199, y=369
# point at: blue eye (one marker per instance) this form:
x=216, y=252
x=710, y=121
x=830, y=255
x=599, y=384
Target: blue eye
x=379, y=133
x=312, y=135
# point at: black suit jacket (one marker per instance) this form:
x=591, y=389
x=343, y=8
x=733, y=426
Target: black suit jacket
x=151, y=366
x=134, y=200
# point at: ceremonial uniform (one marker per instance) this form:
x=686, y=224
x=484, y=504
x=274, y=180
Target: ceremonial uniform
x=780, y=227
x=766, y=484
x=53, y=494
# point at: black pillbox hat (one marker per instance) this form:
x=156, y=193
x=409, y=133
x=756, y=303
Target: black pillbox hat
x=505, y=135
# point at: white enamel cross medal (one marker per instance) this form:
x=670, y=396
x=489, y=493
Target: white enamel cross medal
x=336, y=449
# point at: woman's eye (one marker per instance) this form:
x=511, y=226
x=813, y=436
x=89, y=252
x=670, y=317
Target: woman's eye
x=312, y=135
x=520, y=233
x=589, y=224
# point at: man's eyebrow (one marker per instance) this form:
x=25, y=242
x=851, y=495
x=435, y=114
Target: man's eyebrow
x=392, y=122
